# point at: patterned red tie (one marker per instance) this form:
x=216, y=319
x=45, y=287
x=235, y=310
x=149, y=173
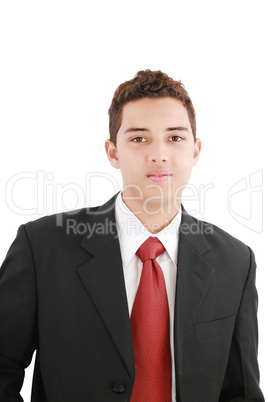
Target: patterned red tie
x=150, y=329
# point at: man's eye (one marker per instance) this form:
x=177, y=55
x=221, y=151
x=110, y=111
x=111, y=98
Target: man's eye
x=175, y=138
x=137, y=139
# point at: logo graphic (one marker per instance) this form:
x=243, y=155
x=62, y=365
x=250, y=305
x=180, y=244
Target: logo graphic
x=245, y=201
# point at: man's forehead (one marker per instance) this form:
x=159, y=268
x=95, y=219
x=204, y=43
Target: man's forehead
x=138, y=111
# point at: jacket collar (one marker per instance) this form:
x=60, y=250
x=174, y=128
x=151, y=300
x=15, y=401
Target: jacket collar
x=194, y=277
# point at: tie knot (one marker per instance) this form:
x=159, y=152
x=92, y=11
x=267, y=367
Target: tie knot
x=150, y=249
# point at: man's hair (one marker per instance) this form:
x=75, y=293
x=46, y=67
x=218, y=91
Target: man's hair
x=148, y=84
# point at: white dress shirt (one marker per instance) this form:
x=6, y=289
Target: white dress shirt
x=132, y=233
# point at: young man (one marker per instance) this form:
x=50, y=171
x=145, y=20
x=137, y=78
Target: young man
x=149, y=304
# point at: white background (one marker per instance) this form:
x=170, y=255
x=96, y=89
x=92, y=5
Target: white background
x=60, y=64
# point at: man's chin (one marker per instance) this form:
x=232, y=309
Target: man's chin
x=155, y=196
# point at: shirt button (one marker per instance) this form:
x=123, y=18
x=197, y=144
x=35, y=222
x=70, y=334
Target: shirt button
x=119, y=388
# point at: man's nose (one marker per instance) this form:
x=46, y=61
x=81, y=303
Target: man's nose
x=157, y=154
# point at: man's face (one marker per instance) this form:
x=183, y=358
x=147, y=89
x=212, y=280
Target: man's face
x=155, y=151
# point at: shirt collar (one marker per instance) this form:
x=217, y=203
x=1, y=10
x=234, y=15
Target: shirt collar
x=132, y=233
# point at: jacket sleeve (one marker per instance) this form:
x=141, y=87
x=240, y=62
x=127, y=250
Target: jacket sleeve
x=241, y=381
x=18, y=333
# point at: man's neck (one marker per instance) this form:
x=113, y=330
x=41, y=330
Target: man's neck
x=154, y=217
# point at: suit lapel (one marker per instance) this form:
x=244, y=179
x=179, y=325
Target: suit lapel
x=103, y=279
x=194, y=276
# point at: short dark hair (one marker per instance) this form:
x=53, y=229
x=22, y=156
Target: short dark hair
x=147, y=84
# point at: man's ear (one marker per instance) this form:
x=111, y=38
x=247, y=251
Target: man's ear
x=197, y=150
x=111, y=152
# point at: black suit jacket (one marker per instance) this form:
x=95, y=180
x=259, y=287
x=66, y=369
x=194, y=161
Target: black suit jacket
x=62, y=293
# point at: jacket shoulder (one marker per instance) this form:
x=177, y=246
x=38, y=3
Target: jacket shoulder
x=58, y=229
x=223, y=243
x=56, y=223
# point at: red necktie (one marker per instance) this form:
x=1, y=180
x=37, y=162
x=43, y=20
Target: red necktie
x=150, y=329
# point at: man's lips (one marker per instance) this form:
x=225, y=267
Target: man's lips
x=158, y=175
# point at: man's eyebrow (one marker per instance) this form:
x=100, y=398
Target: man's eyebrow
x=136, y=129
x=179, y=128
x=132, y=129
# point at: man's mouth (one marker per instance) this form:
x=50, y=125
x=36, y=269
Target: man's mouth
x=158, y=175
